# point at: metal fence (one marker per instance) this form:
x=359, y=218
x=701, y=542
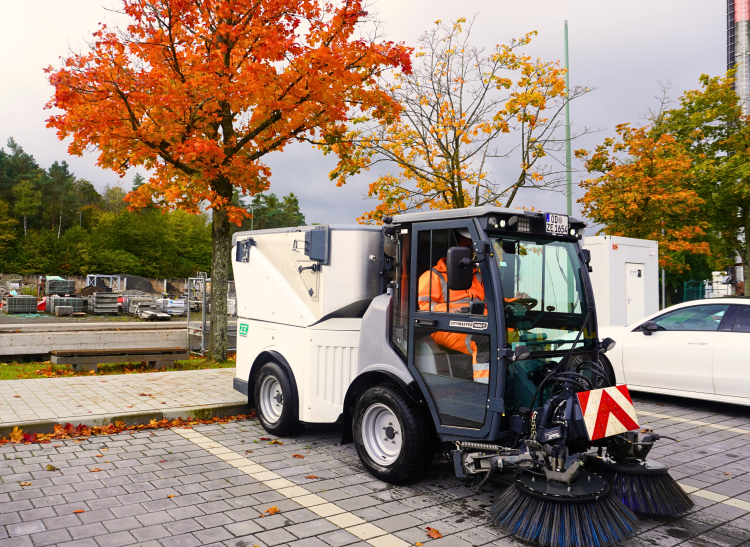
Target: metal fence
x=698, y=290
x=199, y=314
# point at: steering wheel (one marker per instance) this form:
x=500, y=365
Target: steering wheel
x=527, y=303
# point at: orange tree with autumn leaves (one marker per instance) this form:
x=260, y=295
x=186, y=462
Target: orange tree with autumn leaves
x=199, y=91
x=683, y=180
x=647, y=190
x=463, y=109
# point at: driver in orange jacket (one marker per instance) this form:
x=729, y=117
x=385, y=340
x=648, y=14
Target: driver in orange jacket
x=434, y=295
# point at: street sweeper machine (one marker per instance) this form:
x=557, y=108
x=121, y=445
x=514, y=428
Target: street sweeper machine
x=467, y=332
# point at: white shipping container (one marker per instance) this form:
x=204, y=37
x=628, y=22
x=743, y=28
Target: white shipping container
x=625, y=278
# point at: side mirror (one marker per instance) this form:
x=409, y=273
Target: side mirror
x=460, y=270
x=649, y=327
x=608, y=344
x=521, y=353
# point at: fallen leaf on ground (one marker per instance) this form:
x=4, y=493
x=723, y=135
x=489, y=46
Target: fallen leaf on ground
x=95, y=470
x=69, y=431
x=418, y=544
x=647, y=430
x=104, y=449
x=312, y=477
x=128, y=407
x=272, y=511
x=99, y=456
x=162, y=461
x=248, y=451
x=170, y=495
x=728, y=474
x=298, y=456
x=51, y=468
x=25, y=484
x=16, y=435
x=434, y=534
x=144, y=395
x=79, y=511
x=265, y=439
x=16, y=396
x=275, y=441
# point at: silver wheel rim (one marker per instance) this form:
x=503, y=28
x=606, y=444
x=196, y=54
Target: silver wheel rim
x=381, y=434
x=271, y=399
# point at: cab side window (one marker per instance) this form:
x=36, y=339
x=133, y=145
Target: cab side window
x=400, y=329
x=432, y=250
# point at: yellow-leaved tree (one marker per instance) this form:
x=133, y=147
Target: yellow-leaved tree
x=462, y=108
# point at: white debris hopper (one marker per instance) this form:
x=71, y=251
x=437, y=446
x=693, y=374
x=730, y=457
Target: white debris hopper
x=302, y=276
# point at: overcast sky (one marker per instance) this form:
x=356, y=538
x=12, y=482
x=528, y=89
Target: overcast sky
x=620, y=48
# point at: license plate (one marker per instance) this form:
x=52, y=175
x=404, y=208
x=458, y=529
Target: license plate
x=556, y=224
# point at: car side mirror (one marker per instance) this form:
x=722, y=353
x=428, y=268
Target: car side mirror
x=649, y=327
x=460, y=270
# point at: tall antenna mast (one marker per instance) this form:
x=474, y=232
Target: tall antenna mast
x=568, y=159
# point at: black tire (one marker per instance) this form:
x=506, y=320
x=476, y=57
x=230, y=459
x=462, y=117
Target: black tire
x=417, y=445
x=278, y=415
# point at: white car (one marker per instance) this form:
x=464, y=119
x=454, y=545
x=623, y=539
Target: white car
x=698, y=349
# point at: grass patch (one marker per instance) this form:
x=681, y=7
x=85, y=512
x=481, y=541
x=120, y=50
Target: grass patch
x=23, y=371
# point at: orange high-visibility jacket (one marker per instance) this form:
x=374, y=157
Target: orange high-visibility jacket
x=434, y=296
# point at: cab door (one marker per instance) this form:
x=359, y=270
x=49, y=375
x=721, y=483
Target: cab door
x=452, y=350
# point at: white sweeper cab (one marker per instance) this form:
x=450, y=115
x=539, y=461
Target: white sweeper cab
x=470, y=332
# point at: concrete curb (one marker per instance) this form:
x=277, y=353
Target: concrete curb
x=130, y=418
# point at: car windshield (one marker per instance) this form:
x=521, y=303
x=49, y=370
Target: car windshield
x=544, y=301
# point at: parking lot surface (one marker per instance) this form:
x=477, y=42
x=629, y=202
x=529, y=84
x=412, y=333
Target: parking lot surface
x=225, y=485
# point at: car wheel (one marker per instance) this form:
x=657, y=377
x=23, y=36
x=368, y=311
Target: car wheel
x=393, y=435
x=275, y=400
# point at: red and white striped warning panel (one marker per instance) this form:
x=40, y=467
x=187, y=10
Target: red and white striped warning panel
x=608, y=411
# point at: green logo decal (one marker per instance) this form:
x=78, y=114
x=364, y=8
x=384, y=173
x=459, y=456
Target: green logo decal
x=243, y=329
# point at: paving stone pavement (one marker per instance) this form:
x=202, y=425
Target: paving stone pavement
x=90, y=396
x=209, y=486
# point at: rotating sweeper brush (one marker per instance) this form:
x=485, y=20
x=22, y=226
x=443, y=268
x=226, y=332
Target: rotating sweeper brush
x=644, y=487
x=564, y=495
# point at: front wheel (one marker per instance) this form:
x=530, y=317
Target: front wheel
x=393, y=435
x=274, y=400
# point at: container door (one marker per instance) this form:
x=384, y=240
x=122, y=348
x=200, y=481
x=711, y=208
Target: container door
x=452, y=335
x=635, y=292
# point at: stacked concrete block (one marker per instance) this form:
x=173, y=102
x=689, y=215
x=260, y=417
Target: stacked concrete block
x=59, y=286
x=21, y=303
x=63, y=310
x=103, y=303
x=54, y=301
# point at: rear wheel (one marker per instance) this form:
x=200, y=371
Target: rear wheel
x=394, y=436
x=274, y=400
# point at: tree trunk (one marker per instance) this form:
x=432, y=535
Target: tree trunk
x=221, y=243
x=25, y=224
x=59, y=226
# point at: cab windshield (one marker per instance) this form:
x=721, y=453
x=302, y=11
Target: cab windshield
x=544, y=300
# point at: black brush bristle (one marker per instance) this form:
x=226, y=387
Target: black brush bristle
x=649, y=494
x=555, y=523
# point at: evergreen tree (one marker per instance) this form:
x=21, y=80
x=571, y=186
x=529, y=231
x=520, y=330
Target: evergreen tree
x=138, y=181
